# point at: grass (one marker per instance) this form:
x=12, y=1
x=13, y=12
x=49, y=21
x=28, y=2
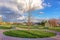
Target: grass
x=29, y=34
x=38, y=27
x=31, y=27
x=5, y=27
x=54, y=28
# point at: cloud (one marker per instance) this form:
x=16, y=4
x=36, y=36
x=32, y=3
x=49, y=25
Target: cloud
x=0, y=15
x=13, y=9
x=9, y=5
x=47, y=4
x=21, y=18
x=22, y=5
x=34, y=4
x=8, y=14
x=41, y=12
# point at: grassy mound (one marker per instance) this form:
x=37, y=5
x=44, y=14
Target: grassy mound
x=29, y=34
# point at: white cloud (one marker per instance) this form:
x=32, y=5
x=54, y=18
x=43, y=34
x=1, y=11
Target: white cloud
x=21, y=5
x=21, y=18
x=41, y=12
x=8, y=5
x=0, y=15
x=34, y=4
x=47, y=4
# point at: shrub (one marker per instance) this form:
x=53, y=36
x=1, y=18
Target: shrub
x=29, y=34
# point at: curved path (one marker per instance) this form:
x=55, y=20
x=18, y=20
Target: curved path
x=2, y=37
x=1, y=34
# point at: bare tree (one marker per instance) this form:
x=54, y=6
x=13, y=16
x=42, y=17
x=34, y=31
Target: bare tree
x=29, y=13
x=29, y=8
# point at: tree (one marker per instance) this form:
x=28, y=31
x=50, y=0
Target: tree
x=28, y=6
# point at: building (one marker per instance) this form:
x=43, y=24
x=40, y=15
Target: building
x=54, y=22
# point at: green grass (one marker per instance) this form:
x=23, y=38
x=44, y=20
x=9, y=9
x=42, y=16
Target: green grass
x=29, y=34
x=31, y=27
x=54, y=28
x=38, y=27
x=5, y=27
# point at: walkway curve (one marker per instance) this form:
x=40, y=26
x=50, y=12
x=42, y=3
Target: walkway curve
x=3, y=37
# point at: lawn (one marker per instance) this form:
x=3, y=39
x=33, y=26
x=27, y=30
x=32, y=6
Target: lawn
x=38, y=27
x=5, y=27
x=31, y=27
x=29, y=34
x=54, y=29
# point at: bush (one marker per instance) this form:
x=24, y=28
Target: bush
x=29, y=34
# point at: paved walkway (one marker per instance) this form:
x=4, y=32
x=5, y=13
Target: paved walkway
x=2, y=37
x=1, y=34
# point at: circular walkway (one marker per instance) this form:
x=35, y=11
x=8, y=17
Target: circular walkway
x=3, y=37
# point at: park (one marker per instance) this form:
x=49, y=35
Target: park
x=29, y=20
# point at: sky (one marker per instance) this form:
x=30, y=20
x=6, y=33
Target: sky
x=17, y=10
x=51, y=9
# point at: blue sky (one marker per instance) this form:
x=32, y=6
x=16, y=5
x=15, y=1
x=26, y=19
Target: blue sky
x=10, y=10
x=51, y=12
